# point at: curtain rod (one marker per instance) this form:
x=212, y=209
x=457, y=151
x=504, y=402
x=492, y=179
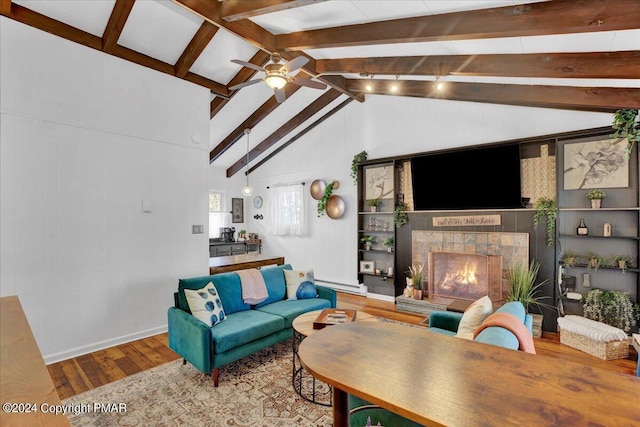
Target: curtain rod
x=285, y=185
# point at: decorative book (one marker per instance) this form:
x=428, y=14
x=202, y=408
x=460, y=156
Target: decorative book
x=334, y=316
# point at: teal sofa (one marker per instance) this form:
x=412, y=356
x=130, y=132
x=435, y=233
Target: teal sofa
x=442, y=322
x=246, y=328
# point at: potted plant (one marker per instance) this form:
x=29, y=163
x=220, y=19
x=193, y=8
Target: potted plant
x=400, y=216
x=522, y=287
x=389, y=243
x=611, y=307
x=622, y=262
x=546, y=209
x=595, y=261
x=415, y=279
x=368, y=241
x=242, y=234
x=570, y=259
x=626, y=126
x=373, y=204
x=596, y=195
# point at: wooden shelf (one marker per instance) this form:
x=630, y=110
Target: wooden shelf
x=592, y=236
x=604, y=267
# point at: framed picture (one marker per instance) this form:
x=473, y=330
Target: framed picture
x=378, y=182
x=595, y=164
x=367, y=266
x=237, y=210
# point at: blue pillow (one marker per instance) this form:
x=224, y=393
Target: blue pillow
x=306, y=290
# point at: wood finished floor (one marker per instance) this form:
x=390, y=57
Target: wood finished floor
x=92, y=370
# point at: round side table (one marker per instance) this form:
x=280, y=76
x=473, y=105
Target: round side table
x=305, y=385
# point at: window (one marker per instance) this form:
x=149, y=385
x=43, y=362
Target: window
x=286, y=210
x=217, y=215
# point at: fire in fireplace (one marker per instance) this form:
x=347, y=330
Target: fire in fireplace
x=465, y=276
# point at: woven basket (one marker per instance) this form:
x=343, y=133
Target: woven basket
x=604, y=350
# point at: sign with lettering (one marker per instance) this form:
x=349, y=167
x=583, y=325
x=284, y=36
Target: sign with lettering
x=462, y=221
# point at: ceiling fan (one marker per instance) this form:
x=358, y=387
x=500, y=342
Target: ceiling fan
x=276, y=75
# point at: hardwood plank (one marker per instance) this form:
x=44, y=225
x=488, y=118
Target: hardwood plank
x=109, y=367
x=76, y=378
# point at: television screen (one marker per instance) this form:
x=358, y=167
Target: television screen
x=480, y=178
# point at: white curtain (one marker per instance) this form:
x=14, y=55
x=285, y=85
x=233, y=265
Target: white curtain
x=286, y=210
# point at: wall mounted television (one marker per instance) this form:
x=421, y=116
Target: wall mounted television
x=479, y=178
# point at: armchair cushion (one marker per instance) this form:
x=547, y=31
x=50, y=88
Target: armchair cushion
x=473, y=317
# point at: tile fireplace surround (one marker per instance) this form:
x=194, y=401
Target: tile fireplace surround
x=511, y=246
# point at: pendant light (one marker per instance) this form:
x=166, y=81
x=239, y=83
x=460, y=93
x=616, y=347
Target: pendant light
x=247, y=190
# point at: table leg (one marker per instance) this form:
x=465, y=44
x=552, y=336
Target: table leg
x=340, y=408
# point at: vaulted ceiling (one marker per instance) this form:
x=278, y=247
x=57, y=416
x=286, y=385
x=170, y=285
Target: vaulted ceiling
x=564, y=54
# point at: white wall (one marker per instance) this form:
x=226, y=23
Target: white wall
x=385, y=126
x=84, y=139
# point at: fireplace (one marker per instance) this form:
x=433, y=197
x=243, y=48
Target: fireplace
x=465, y=276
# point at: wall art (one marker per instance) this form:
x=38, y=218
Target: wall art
x=379, y=182
x=595, y=164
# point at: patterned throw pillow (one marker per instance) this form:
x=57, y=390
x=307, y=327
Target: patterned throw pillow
x=205, y=304
x=473, y=317
x=300, y=284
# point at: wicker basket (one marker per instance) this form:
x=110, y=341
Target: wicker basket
x=604, y=350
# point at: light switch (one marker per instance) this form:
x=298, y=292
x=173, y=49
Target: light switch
x=586, y=280
x=197, y=229
x=147, y=205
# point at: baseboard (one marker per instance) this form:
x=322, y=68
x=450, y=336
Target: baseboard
x=79, y=351
x=381, y=297
x=352, y=289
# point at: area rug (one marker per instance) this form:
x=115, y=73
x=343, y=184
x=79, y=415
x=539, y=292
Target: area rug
x=254, y=391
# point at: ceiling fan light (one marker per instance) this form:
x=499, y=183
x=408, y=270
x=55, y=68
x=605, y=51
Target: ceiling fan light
x=247, y=191
x=275, y=81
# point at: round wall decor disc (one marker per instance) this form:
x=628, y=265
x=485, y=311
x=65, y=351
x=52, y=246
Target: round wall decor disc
x=317, y=189
x=335, y=207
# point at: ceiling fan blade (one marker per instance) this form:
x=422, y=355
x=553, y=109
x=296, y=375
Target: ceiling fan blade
x=308, y=83
x=295, y=63
x=247, y=64
x=280, y=95
x=245, y=84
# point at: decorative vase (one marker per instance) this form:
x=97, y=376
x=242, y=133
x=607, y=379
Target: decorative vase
x=417, y=294
x=367, y=247
x=374, y=208
x=596, y=203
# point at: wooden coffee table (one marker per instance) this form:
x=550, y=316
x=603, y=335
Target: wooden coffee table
x=304, y=384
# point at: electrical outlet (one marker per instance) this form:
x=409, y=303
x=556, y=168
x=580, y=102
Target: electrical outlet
x=197, y=229
x=586, y=280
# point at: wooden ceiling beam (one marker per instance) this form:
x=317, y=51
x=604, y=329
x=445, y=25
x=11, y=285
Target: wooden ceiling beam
x=245, y=74
x=117, y=21
x=609, y=65
x=52, y=26
x=235, y=10
x=322, y=101
x=601, y=99
x=210, y=11
x=248, y=31
x=301, y=133
x=195, y=47
x=5, y=7
x=534, y=19
x=260, y=114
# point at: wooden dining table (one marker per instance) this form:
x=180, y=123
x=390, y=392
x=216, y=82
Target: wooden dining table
x=437, y=380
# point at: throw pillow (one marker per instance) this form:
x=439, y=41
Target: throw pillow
x=473, y=317
x=205, y=304
x=300, y=284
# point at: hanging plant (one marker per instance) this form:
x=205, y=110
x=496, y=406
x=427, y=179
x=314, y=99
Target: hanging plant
x=322, y=203
x=400, y=216
x=546, y=208
x=626, y=126
x=360, y=157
